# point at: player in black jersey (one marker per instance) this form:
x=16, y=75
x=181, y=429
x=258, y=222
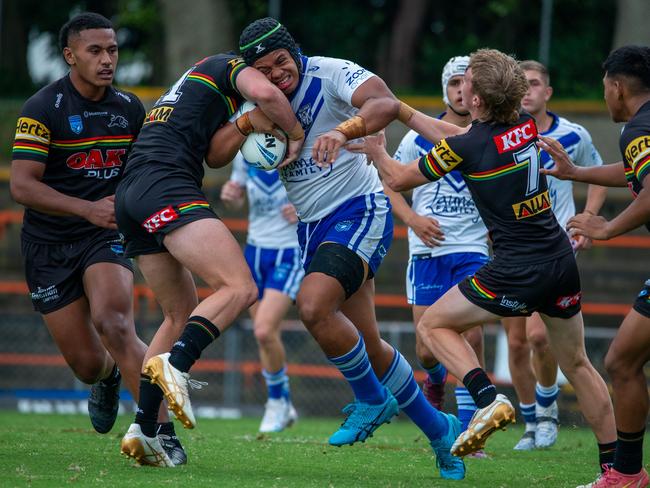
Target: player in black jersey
x=533, y=268
x=72, y=140
x=169, y=225
x=627, y=94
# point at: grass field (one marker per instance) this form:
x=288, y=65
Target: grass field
x=57, y=450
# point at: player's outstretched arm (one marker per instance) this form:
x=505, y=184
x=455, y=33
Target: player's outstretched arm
x=635, y=215
x=377, y=108
x=27, y=189
x=564, y=169
x=258, y=89
x=433, y=130
x=398, y=177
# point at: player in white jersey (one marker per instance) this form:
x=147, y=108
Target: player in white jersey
x=447, y=240
x=273, y=256
x=536, y=383
x=344, y=231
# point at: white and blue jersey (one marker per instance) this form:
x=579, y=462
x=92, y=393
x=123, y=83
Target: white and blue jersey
x=577, y=143
x=266, y=196
x=272, y=251
x=322, y=101
x=432, y=271
x=343, y=203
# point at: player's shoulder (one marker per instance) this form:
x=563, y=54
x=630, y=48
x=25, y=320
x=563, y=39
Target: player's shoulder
x=326, y=67
x=48, y=98
x=126, y=98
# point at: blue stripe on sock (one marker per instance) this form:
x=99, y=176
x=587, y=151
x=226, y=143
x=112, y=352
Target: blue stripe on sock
x=528, y=412
x=355, y=368
x=275, y=382
x=545, y=396
x=401, y=383
x=466, y=406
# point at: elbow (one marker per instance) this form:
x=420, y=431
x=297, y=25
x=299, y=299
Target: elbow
x=17, y=192
x=395, y=184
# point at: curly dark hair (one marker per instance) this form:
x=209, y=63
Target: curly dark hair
x=81, y=22
x=631, y=62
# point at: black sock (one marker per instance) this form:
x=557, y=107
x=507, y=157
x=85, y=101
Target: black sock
x=166, y=428
x=198, y=334
x=113, y=377
x=629, y=452
x=606, y=454
x=480, y=387
x=147, y=414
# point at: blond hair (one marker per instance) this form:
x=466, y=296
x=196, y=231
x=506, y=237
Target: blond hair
x=500, y=83
x=532, y=65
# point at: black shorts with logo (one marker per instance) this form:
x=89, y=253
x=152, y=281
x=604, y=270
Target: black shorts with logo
x=642, y=302
x=551, y=288
x=54, y=272
x=150, y=204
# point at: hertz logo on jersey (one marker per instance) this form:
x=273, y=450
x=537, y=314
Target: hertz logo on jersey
x=446, y=158
x=158, y=114
x=27, y=128
x=533, y=206
x=637, y=150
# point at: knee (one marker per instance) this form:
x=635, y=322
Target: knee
x=616, y=365
x=245, y=294
x=574, y=363
x=538, y=340
x=518, y=347
x=115, y=327
x=265, y=334
x=311, y=310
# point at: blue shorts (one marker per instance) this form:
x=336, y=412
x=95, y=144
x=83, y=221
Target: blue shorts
x=279, y=269
x=428, y=278
x=363, y=224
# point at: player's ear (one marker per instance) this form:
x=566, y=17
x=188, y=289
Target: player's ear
x=68, y=55
x=549, y=93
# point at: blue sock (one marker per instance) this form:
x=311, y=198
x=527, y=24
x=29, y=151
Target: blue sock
x=466, y=406
x=437, y=374
x=275, y=382
x=399, y=380
x=528, y=412
x=356, y=369
x=286, y=390
x=546, y=395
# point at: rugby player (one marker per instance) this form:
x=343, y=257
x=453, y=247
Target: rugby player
x=447, y=240
x=627, y=95
x=169, y=225
x=72, y=140
x=533, y=268
x=273, y=256
x=344, y=230
x=536, y=384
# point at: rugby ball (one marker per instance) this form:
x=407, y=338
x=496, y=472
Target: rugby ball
x=263, y=151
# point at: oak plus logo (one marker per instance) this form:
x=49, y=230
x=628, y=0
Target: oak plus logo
x=96, y=164
x=160, y=219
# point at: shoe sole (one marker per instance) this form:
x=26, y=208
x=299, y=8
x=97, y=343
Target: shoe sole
x=502, y=417
x=153, y=369
x=133, y=448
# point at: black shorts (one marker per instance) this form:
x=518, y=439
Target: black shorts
x=148, y=207
x=551, y=288
x=642, y=302
x=54, y=272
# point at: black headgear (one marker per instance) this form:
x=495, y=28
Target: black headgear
x=263, y=36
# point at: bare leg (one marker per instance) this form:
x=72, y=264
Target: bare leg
x=566, y=337
x=543, y=361
x=267, y=318
x=627, y=355
x=521, y=371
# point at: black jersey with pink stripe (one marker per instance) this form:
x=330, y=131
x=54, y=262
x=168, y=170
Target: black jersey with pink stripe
x=500, y=164
x=84, y=146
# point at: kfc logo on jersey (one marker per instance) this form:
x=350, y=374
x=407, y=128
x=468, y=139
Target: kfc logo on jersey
x=569, y=301
x=516, y=137
x=160, y=219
